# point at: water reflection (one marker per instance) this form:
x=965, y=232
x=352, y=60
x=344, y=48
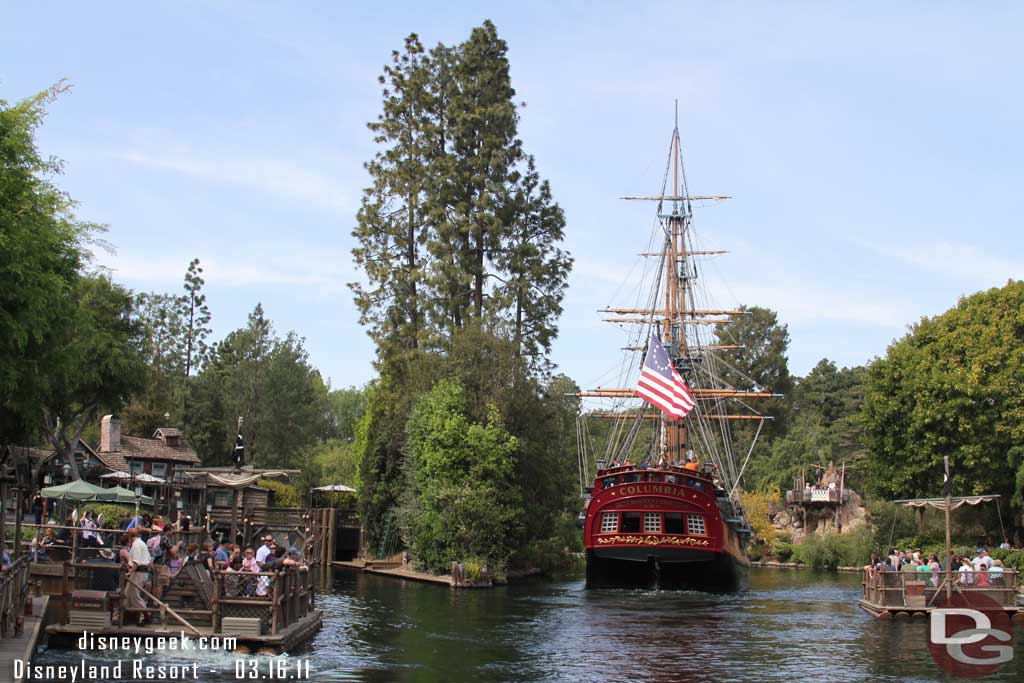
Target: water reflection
x=791, y=626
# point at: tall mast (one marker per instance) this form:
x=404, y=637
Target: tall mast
x=675, y=293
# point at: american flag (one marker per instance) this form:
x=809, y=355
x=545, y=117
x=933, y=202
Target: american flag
x=660, y=384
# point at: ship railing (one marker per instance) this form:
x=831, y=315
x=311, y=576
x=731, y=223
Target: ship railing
x=276, y=600
x=925, y=589
x=13, y=593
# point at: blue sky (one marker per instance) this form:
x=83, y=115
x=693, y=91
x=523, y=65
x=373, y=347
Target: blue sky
x=873, y=151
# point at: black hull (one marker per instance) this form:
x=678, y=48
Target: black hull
x=651, y=569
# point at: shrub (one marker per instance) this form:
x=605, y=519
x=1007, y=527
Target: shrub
x=834, y=550
x=285, y=495
x=782, y=550
x=1013, y=559
x=112, y=513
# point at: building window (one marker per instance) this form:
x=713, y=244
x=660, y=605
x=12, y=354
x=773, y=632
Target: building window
x=222, y=499
x=674, y=523
x=695, y=525
x=159, y=469
x=630, y=523
x=652, y=523
x=136, y=467
x=609, y=522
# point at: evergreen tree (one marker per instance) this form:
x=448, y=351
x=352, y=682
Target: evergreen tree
x=194, y=317
x=534, y=271
x=392, y=223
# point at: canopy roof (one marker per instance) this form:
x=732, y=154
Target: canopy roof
x=84, y=491
x=74, y=490
x=954, y=502
x=120, y=494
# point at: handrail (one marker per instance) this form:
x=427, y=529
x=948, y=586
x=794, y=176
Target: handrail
x=892, y=588
x=13, y=592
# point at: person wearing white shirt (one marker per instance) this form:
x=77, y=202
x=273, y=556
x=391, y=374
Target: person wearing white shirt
x=982, y=562
x=139, y=561
x=264, y=550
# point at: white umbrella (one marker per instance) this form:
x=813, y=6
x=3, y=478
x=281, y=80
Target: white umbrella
x=140, y=478
x=335, y=488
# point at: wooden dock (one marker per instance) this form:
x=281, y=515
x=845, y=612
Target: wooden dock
x=23, y=646
x=395, y=570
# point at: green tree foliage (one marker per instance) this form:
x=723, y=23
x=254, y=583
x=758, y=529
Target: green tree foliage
x=176, y=331
x=457, y=228
x=269, y=382
x=541, y=415
x=94, y=365
x=42, y=251
x=825, y=426
x=462, y=502
x=759, y=364
x=195, y=316
x=951, y=387
x=458, y=239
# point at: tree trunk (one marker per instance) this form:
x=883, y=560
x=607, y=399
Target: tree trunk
x=410, y=262
x=478, y=275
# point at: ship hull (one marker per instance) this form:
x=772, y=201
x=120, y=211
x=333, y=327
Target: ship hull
x=700, y=571
x=662, y=528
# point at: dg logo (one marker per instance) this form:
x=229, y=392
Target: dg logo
x=970, y=636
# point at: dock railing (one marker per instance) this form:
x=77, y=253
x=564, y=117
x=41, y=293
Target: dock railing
x=13, y=593
x=276, y=599
x=918, y=590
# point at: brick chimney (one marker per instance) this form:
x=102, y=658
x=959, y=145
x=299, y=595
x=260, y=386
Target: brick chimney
x=110, y=434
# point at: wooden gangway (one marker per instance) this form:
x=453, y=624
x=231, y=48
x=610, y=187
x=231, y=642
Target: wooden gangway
x=904, y=593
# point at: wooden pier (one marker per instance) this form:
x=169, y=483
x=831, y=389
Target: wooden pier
x=889, y=594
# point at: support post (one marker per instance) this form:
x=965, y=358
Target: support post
x=17, y=523
x=275, y=614
x=234, y=516
x=949, y=556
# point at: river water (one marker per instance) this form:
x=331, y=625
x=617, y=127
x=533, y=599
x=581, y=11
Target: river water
x=792, y=626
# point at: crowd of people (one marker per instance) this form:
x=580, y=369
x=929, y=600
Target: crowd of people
x=980, y=571
x=152, y=551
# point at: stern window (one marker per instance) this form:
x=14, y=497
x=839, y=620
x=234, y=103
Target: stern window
x=609, y=522
x=674, y=523
x=695, y=525
x=630, y=523
x=652, y=523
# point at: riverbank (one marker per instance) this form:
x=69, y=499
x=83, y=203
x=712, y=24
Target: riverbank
x=774, y=564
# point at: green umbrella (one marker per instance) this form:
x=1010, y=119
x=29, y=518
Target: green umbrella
x=120, y=494
x=75, y=490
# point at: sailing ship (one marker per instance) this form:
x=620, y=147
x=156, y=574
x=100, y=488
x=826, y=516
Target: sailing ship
x=663, y=509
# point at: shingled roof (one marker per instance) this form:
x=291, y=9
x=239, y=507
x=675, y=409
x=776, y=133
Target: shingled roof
x=135, y=448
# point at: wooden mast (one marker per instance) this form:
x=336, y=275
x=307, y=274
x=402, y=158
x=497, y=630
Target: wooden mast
x=677, y=287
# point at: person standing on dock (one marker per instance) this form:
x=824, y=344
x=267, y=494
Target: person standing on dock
x=139, y=562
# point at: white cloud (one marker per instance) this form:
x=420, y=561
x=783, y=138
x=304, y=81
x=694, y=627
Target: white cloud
x=325, y=272
x=953, y=259
x=280, y=177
